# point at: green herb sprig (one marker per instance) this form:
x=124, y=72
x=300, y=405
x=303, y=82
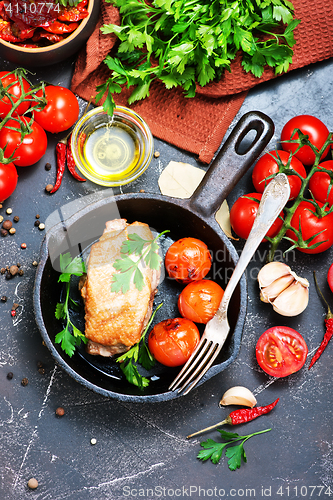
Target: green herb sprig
x=145, y=251
x=234, y=452
x=184, y=43
x=70, y=337
x=139, y=353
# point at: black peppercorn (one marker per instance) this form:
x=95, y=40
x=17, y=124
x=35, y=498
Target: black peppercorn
x=10, y=375
x=24, y=381
x=37, y=222
x=48, y=166
x=4, y=298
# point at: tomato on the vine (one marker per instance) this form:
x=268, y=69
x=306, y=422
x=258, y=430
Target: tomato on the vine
x=281, y=351
x=244, y=211
x=188, y=259
x=61, y=111
x=172, y=341
x=8, y=180
x=28, y=151
x=12, y=85
x=200, y=300
x=320, y=182
x=330, y=277
x=311, y=126
x=267, y=165
x=318, y=230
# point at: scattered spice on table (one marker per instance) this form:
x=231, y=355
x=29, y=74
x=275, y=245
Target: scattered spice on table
x=9, y=211
x=240, y=417
x=329, y=327
x=12, y=230
x=24, y=381
x=37, y=222
x=48, y=166
x=24, y=246
x=32, y=483
x=3, y=232
x=7, y=224
x=4, y=298
x=48, y=188
x=10, y=375
x=37, y=216
x=60, y=412
x=16, y=218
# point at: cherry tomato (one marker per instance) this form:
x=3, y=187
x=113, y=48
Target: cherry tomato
x=320, y=183
x=244, y=211
x=8, y=180
x=16, y=91
x=311, y=126
x=310, y=224
x=330, y=277
x=188, y=259
x=267, y=165
x=61, y=112
x=172, y=341
x=30, y=150
x=281, y=351
x=200, y=300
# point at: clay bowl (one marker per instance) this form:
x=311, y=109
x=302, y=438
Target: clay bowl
x=53, y=54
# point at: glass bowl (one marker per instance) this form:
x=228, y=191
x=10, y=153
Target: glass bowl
x=112, y=150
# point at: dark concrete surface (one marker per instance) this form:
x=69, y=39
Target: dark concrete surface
x=140, y=449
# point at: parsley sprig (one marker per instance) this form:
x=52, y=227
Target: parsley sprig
x=145, y=252
x=234, y=452
x=70, y=337
x=185, y=42
x=139, y=353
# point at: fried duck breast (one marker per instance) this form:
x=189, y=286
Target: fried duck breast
x=115, y=321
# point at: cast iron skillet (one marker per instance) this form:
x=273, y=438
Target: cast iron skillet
x=191, y=217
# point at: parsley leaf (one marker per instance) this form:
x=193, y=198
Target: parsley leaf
x=234, y=452
x=70, y=337
x=146, y=253
x=184, y=43
x=138, y=353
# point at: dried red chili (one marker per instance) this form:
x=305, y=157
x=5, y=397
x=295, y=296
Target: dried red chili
x=328, y=331
x=61, y=164
x=71, y=163
x=240, y=417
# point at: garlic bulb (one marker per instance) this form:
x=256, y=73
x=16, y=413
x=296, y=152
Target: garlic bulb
x=238, y=395
x=281, y=287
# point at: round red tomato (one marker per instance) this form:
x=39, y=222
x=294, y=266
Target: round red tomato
x=31, y=149
x=200, y=300
x=281, y=351
x=330, y=277
x=61, y=111
x=267, y=165
x=320, y=182
x=172, y=341
x=8, y=180
x=244, y=211
x=188, y=259
x=12, y=84
x=311, y=224
x=311, y=126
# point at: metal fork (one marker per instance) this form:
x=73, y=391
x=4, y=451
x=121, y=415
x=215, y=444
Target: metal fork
x=273, y=200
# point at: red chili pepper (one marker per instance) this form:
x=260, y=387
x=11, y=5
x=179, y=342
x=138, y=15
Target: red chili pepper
x=71, y=163
x=329, y=328
x=61, y=164
x=241, y=416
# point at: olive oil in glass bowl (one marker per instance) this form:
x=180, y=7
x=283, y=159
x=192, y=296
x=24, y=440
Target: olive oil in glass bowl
x=112, y=150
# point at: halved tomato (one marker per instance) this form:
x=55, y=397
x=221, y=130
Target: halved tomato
x=281, y=351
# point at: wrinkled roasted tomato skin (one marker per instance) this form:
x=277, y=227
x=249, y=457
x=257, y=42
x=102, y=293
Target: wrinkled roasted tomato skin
x=188, y=259
x=200, y=300
x=281, y=351
x=172, y=341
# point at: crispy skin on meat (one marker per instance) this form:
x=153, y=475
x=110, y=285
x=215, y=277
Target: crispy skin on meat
x=115, y=321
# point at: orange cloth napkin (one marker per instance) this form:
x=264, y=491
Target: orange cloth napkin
x=198, y=125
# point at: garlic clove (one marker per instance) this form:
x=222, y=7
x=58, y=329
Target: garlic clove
x=272, y=271
x=303, y=281
x=271, y=291
x=292, y=301
x=238, y=395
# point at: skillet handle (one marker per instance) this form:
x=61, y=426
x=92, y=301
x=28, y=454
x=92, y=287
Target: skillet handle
x=230, y=165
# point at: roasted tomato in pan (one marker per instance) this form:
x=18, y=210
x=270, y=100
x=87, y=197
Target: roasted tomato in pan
x=27, y=151
x=244, y=211
x=311, y=126
x=188, y=259
x=61, y=111
x=200, y=300
x=320, y=184
x=172, y=341
x=12, y=84
x=267, y=165
x=281, y=351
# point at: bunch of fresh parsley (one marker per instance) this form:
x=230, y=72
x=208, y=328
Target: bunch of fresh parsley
x=189, y=42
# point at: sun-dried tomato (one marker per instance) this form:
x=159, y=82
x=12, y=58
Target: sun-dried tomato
x=51, y=37
x=60, y=28
x=32, y=12
x=73, y=14
x=6, y=32
x=22, y=31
